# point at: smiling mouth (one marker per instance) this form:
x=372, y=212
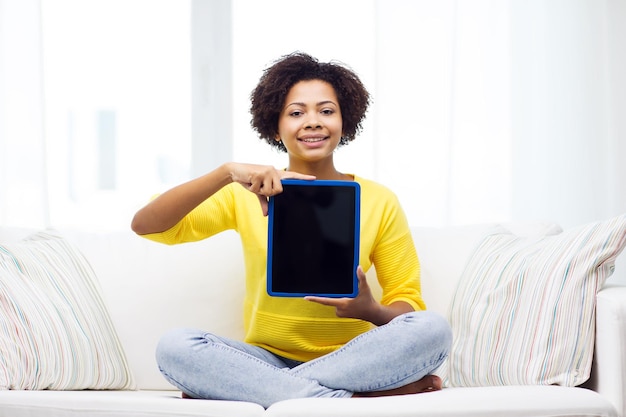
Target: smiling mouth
x=312, y=140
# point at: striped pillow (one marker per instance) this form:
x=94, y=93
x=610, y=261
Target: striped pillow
x=55, y=331
x=524, y=310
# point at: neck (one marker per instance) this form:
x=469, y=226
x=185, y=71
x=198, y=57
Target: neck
x=322, y=171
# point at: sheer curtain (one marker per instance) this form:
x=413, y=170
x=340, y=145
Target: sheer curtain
x=94, y=109
x=117, y=106
x=439, y=131
x=23, y=193
x=569, y=99
x=484, y=110
x=444, y=99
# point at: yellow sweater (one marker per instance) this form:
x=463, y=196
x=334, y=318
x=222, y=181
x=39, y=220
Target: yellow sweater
x=292, y=327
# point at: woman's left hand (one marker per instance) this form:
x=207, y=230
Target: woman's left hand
x=363, y=306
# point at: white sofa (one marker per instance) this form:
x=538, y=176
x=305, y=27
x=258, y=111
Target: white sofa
x=150, y=288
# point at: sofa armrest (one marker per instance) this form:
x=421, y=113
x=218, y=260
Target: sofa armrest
x=609, y=369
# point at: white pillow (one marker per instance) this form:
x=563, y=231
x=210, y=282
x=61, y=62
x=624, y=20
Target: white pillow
x=524, y=310
x=443, y=253
x=55, y=331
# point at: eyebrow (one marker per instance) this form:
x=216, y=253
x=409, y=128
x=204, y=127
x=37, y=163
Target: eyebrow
x=321, y=103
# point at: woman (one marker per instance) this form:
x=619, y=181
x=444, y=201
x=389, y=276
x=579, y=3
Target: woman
x=315, y=346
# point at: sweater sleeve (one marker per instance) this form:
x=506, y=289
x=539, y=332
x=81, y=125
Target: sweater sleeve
x=398, y=272
x=212, y=216
x=394, y=255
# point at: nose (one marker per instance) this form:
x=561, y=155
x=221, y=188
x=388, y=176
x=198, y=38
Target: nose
x=312, y=122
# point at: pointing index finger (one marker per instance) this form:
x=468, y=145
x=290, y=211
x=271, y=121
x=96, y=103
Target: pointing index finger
x=296, y=175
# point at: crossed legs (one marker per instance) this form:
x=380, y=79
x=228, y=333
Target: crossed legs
x=394, y=359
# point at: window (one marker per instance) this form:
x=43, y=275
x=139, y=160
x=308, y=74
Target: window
x=117, y=106
x=141, y=95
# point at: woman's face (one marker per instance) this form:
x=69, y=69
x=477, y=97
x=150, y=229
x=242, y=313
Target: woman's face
x=310, y=124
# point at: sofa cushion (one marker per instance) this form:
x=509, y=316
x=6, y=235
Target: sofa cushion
x=523, y=312
x=519, y=401
x=152, y=288
x=55, y=331
x=119, y=404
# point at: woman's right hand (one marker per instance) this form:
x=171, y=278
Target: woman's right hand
x=170, y=207
x=263, y=180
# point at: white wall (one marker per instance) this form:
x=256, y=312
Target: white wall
x=616, y=38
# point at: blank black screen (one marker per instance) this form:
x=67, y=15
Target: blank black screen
x=313, y=240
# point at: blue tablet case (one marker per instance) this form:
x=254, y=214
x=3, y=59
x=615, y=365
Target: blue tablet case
x=313, y=239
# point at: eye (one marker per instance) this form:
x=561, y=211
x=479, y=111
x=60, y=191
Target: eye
x=295, y=113
x=327, y=112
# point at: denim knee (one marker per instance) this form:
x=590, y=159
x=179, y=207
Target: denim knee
x=171, y=345
x=431, y=328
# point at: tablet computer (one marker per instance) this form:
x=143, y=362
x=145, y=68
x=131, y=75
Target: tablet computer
x=313, y=239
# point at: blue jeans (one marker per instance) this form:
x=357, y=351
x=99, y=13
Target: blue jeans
x=404, y=350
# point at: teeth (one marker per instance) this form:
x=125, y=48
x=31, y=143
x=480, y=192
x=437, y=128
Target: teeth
x=313, y=140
